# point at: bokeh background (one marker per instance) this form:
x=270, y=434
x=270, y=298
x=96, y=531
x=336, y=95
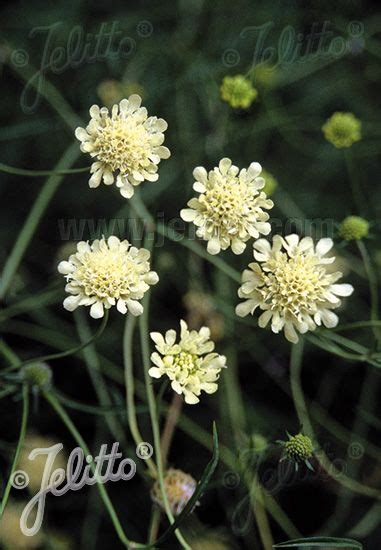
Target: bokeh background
x=175, y=55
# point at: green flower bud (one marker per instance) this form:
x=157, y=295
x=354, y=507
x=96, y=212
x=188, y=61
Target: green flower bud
x=353, y=228
x=342, y=129
x=238, y=91
x=37, y=375
x=270, y=183
x=299, y=448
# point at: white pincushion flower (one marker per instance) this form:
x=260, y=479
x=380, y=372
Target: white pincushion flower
x=126, y=144
x=291, y=284
x=231, y=206
x=189, y=365
x=107, y=273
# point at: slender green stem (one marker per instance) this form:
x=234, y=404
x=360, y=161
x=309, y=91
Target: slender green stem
x=37, y=173
x=368, y=392
x=154, y=525
x=143, y=326
x=345, y=342
x=173, y=415
x=92, y=517
x=257, y=502
x=38, y=300
x=357, y=193
x=93, y=367
x=83, y=407
x=186, y=424
x=33, y=219
x=62, y=354
x=236, y=408
x=372, y=278
x=302, y=412
x=172, y=418
x=230, y=378
x=130, y=387
x=7, y=391
x=48, y=91
x=368, y=523
x=8, y=353
x=52, y=399
x=24, y=420
x=331, y=347
x=356, y=325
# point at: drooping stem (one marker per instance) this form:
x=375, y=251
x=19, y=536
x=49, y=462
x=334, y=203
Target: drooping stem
x=38, y=173
x=67, y=353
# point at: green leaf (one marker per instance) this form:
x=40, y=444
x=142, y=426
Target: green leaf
x=320, y=542
x=200, y=489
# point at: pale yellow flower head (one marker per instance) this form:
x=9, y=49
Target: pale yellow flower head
x=107, y=273
x=35, y=468
x=179, y=488
x=212, y=541
x=112, y=91
x=342, y=129
x=290, y=284
x=126, y=144
x=238, y=91
x=189, y=364
x=11, y=536
x=231, y=206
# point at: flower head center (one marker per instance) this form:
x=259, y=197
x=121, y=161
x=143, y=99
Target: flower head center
x=294, y=284
x=187, y=362
x=299, y=447
x=227, y=202
x=106, y=274
x=123, y=144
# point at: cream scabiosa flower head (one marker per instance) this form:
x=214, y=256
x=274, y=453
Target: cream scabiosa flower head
x=126, y=144
x=107, y=273
x=231, y=206
x=292, y=286
x=189, y=364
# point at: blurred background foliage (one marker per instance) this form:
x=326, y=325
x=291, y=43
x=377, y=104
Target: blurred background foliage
x=175, y=54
